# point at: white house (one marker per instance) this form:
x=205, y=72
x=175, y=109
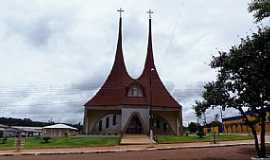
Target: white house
x=59, y=130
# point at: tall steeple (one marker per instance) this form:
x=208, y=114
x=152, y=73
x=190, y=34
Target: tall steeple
x=119, y=63
x=149, y=62
x=113, y=89
x=156, y=93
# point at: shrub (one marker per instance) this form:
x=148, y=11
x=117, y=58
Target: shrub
x=4, y=140
x=66, y=134
x=46, y=139
x=200, y=132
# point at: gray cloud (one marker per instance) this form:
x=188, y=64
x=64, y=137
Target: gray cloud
x=191, y=91
x=37, y=33
x=89, y=84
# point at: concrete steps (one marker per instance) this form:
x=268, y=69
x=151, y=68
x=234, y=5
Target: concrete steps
x=130, y=139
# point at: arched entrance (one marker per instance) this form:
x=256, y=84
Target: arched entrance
x=134, y=125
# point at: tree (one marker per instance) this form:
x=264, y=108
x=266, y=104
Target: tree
x=260, y=9
x=200, y=109
x=200, y=131
x=243, y=82
x=193, y=127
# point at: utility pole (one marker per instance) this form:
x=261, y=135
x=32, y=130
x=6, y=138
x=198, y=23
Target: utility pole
x=18, y=141
x=150, y=12
x=151, y=112
x=221, y=117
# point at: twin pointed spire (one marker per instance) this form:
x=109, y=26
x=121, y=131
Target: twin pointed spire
x=119, y=59
x=114, y=90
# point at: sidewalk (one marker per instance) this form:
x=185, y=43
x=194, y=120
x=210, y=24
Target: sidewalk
x=125, y=148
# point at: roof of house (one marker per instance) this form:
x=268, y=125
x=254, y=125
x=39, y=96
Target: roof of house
x=240, y=116
x=3, y=126
x=28, y=129
x=59, y=126
x=232, y=118
x=114, y=90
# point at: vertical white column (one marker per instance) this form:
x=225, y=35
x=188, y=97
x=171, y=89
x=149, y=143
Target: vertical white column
x=86, y=125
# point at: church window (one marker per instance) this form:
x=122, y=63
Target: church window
x=165, y=127
x=158, y=125
x=135, y=91
x=107, y=122
x=100, y=125
x=114, y=119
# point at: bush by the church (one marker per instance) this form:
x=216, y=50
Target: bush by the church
x=46, y=139
x=200, y=132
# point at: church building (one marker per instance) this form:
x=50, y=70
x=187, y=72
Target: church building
x=125, y=105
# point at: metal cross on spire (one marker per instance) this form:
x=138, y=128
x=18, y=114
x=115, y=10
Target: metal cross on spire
x=150, y=12
x=120, y=11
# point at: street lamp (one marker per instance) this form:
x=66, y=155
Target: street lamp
x=151, y=114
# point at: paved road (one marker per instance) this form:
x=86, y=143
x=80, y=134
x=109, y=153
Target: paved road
x=243, y=152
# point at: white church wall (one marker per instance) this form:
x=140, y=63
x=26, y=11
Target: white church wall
x=92, y=118
x=108, y=129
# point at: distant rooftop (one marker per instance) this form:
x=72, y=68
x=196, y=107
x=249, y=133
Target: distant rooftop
x=3, y=126
x=29, y=129
x=59, y=126
x=239, y=117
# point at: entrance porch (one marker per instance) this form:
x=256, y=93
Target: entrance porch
x=129, y=139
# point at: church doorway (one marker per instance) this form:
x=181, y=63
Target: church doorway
x=134, y=126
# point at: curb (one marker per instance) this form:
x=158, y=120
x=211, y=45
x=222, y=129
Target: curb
x=145, y=148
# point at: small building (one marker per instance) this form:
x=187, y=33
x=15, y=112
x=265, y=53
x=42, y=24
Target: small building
x=10, y=132
x=29, y=131
x=59, y=130
x=237, y=124
x=2, y=130
x=7, y=131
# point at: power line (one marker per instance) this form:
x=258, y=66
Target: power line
x=40, y=104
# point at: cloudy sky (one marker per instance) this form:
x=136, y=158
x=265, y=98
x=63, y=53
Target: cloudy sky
x=55, y=54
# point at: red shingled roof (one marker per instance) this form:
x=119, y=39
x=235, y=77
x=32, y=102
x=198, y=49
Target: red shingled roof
x=114, y=90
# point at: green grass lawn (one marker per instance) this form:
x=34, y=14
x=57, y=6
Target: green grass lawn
x=195, y=138
x=10, y=144
x=92, y=141
x=68, y=142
